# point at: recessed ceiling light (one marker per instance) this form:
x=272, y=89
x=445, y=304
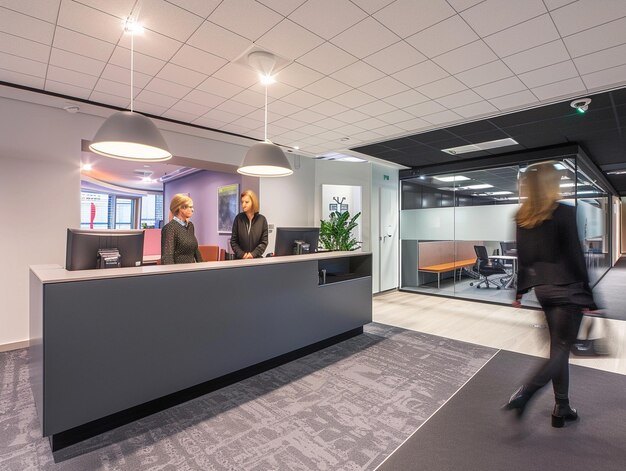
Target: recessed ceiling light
x=498, y=193
x=482, y=186
x=455, y=178
x=480, y=146
x=616, y=172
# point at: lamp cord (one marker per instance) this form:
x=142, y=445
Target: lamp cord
x=266, y=112
x=132, y=66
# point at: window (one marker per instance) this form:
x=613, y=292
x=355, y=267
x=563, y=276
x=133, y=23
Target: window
x=111, y=211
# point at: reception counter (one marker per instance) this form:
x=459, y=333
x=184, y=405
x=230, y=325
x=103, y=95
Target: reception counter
x=109, y=346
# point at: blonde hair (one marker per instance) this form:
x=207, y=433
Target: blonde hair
x=178, y=201
x=253, y=197
x=539, y=185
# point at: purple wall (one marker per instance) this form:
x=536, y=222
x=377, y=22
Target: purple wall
x=202, y=188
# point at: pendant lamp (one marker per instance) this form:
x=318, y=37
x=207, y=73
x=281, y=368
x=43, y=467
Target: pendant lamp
x=264, y=159
x=128, y=135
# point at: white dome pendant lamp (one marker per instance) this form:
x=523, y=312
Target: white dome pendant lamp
x=128, y=135
x=264, y=159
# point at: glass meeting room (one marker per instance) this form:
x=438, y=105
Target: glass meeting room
x=457, y=229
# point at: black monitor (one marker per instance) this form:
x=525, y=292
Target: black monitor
x=286, y=237
x=83, y=245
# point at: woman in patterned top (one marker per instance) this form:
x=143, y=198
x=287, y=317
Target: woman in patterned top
x=178, y=241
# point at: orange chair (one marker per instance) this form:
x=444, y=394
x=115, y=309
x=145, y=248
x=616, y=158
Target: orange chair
x=210, y=253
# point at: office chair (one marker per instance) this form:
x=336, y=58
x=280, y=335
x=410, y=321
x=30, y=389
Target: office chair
x=508, y=248
x=486, y=268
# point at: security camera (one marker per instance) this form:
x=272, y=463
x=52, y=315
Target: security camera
x=581, y=104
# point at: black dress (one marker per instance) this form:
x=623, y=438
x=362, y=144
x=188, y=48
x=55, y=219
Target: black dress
x=179, y=244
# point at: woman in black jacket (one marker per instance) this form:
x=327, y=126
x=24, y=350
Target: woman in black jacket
x=551, y=261
x=249, y=235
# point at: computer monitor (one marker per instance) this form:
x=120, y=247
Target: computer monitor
x=286, y=237
x=83, y=245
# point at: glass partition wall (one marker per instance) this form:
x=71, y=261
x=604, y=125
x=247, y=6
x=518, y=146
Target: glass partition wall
x=458, y=232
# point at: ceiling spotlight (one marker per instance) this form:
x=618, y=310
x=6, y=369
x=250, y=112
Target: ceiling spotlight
x=581, y=104
x=72, y=109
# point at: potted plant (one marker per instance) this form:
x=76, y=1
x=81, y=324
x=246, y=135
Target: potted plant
x=336, y=233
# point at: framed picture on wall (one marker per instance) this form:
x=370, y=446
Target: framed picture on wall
x=227, y=207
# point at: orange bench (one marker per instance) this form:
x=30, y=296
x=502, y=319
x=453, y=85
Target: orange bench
x=446, y=267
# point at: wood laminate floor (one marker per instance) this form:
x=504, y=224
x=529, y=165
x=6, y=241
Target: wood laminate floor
x=503, y=327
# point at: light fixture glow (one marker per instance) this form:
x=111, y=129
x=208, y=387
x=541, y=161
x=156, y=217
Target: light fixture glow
x=455, y=178
x=267, y=79
x=128, y=135
x=482, y=186
x=86, y=167
x=480, y=146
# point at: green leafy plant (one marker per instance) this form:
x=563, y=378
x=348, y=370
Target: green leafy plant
x=336, y=233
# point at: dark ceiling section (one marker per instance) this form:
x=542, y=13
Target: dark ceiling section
x=601, y=132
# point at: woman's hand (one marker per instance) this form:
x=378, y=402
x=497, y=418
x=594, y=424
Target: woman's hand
x=247, y=255
x=517, y=302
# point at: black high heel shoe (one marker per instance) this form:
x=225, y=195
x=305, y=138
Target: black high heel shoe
x=518, y=401
x=563, y=413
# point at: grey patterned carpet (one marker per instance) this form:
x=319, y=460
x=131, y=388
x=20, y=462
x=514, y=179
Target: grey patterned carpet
x=346, y=407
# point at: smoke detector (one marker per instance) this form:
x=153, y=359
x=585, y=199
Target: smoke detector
x=581, y=104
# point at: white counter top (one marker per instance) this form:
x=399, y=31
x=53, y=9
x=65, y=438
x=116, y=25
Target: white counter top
x=58, y=274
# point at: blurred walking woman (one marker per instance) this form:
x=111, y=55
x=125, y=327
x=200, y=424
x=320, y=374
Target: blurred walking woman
x=178, y=241
x=249, y=238
x=551, y=261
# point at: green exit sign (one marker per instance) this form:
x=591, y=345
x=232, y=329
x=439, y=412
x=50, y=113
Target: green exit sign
x=385, y=177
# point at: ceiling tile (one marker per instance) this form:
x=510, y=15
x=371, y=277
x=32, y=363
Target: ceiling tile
x=250, y=97
x=121, y=75
x=554, y=4
x=606, y=77
x=221, y=115
x=372, y=6
x=308, y=116
x=219, y=41
x=586, y=14
x=67, y=89
x=348, y=129
x=169, y=20
x=396, y=116
x=596, y=61
x=302, y=98
x=486, y=73
x=389, y=130
x=460, y=5
x=290, y=123
x=376, y=108
x=237, y=75
x=598, y=38
x=192, y=108
x=492, y=16
x=101, y=97
x=284, y=108
x=182, y=75
x=421, y=74
x=300, y=41
x=524, y=36
x=550, y=74
x=298, y=75
x=365, y=38
x=249, y=123
x=424, y=109
x=475, y=109
x=26, y=27
x=71, y=77
x=407, y=17
x=145, y=64
x=118, y=8
x=465, y=57
x=414, y=124
x=370, y=123
x=327, y=88
x=152, y=44
x=81, y=44
x=537, y=57
x=200, y=7
x=406, y=98
x=351, y=116
x=463, y=98
x=236, y=108
x=353, y=99
x=25, y=48
x=329, y=123
x=22, y=65
x=443, y=37
x=167, y=88
x=274, y=91
x=247, y=18
x=440, y=88
x=443, y=117
x=71, y=61
x=115, y=88
x=198, y=60
x=90, y=22
x=514, y=100
x=559, y=89
x=284, y=7
x=46, y=11
x=395, y=58
x=178, y=115
x=315, y=17
x=329, y=108
x=209, y=122
x=501, y=87
x=327, y=59
x=204, y=98
x=358, y=74
x=384, y=87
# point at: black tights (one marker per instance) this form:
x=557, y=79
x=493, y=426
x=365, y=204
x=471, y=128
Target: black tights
x=563, y=323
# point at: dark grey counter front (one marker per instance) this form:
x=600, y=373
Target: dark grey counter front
x=109, y=344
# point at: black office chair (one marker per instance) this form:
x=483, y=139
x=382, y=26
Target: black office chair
x=486, y=268
x=508, y=248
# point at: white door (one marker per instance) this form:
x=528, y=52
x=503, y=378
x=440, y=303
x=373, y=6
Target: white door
x=388, y=240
